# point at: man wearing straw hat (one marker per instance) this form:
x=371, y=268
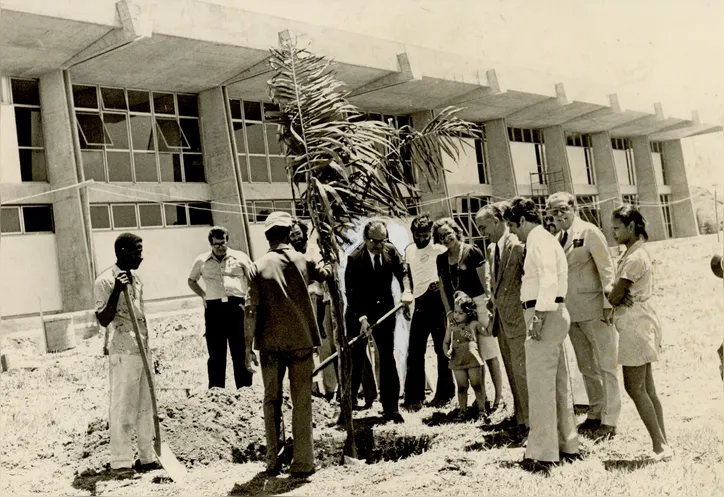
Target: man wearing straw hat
x=281, y=324
x=130, y=394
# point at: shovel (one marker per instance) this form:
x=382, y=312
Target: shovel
x=334, y=356
x=173, y=467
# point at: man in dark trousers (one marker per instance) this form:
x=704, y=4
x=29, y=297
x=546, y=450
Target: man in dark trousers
x=428, y=318
x=282, y=327
x=368, y=285
x=224, y=272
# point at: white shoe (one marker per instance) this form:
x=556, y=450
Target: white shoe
x=664, y=456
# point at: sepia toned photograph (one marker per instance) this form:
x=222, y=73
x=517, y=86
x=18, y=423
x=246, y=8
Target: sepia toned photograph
x=401, y=247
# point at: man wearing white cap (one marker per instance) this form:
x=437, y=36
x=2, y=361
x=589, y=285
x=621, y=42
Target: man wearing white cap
x=282, y=326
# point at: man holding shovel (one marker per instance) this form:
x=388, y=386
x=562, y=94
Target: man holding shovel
x=129, y=390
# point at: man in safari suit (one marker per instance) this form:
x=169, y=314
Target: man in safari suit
x=591, y=274
x=503, y=274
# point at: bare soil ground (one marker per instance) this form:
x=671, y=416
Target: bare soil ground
x=55, y=438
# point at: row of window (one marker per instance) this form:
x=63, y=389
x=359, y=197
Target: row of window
x=138, y=136
x=579, y=141
x=525, y=135
x=26, y=101
x=27, y=219
x=150, y=215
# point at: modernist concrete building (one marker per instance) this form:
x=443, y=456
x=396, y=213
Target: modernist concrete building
x=162, y=106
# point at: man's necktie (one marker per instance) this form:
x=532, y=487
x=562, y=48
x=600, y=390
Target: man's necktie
x=497, y=261
x=378, y=262
x=564, y=238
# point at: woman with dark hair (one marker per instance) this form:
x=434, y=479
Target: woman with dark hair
x=637, y=324
x=461, y=268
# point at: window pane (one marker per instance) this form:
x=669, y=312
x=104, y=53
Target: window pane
x=124, y=216
x=32, y=165
x=145, y=165
x=25, y=92
x=93, y=167
x=29, y=127
x=239, y=137
x=170, y=168
x=138, y=101
x=235, y=106
x=255, y=138
x=403, y=121
x=85, y=97
x=100, y=217
x=116, y=127
x=175, y=214
x=171, y=136
x=278, y=169
x=142, y=133
x=163, y=103
x=38, y=219
x=272, y=141
x=270, y=107
x=10, y=221
x=119, y=166
x=283, y=205
x=244, y=168
x=150, y=215
x=252, y=111
x=262, y=210
x=92, y=129
x=188, y=105
x=190, y=128
x=194, y=168
x=114, y=98
x=200, y=214
x=259, y=171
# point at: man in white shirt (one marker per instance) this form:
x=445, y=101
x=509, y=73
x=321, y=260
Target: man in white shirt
x=590, y=277
x=225, y=272
x=428, y=318
x=552, y=435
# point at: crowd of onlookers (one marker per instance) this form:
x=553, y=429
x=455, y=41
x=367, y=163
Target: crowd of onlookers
x=505, y=309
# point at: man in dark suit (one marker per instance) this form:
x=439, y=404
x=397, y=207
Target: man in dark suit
x=503, y=274
x=368, y=285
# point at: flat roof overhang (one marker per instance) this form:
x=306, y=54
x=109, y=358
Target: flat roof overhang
x=202, y=45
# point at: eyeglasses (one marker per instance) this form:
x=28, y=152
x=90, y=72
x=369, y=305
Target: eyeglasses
x=376, y=241
x=219, y=244
x=557, y=211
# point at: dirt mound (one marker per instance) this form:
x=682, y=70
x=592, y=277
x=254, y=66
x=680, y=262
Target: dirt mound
x=205, y=427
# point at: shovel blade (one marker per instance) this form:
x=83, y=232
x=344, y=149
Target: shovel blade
x=173, y=467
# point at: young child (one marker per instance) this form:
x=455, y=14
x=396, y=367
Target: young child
x=465, y=360
x=637, y=324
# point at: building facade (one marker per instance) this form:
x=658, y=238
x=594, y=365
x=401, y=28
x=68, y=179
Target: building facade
x=120, y=116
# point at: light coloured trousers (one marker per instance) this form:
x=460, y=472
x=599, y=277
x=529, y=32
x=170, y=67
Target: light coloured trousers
x=596, y=347
x=550, y=416
x=130, y=408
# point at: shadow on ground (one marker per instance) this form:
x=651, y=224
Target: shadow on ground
x=89, y=480
x=626, y=464
x=263, y=484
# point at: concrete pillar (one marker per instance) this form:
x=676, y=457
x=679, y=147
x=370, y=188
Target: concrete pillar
x=648, y=189
x=683, y=214
x=500, y=166
x=554, y=139
x=219, y=166
x=607, y=181
x=74, y=257
x=432, y=193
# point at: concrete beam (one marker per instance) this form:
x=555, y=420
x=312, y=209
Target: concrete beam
x=219, y=165
x=405, y=75
x=74, y=256
x=648, y=188
x=607, y=180
x=557, y=160
x=500, y=159
x=683, y=214
x=433, y=193
x=135, y=25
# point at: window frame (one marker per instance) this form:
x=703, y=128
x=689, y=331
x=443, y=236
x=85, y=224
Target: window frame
x=32, y=148
x=20, y=208
x=156, y=133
